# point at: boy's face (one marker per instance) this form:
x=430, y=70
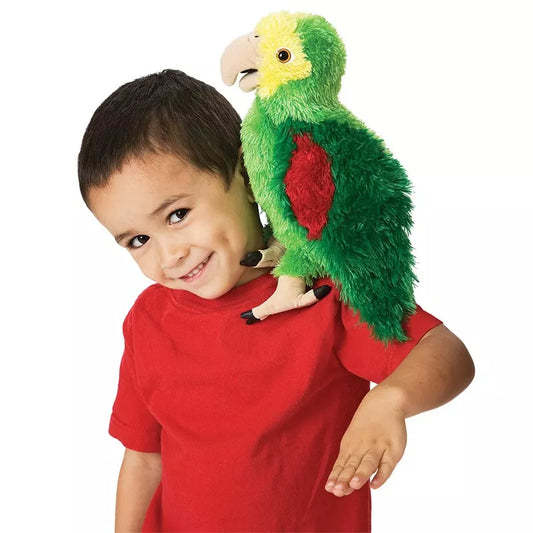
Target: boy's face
x=182, y=227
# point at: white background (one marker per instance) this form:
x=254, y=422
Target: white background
x=446, y=84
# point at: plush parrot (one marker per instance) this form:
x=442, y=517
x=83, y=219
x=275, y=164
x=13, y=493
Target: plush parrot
x=335, y=197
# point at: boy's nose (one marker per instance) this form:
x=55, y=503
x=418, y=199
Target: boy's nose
x=171, y=254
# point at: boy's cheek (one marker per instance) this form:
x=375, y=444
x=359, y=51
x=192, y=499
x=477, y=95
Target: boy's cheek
x=149, y=270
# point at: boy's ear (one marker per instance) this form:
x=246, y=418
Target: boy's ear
x=250, y=193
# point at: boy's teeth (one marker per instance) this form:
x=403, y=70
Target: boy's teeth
x=197, y=269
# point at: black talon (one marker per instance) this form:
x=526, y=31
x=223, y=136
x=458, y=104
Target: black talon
x=322, y=291
x=251, y=259
x=249, y=316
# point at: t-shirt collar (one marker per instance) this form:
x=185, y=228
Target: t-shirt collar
x=246, y=296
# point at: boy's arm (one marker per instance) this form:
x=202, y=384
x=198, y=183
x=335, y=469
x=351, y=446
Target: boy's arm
x=436, y=370
x=139, y=477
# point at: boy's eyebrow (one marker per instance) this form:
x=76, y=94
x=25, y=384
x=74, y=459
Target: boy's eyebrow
x=167, y=202
x=157, y=211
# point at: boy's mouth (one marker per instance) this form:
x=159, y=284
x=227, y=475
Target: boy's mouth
x=194, y=273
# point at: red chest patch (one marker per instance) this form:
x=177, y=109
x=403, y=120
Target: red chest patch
x=309, y=185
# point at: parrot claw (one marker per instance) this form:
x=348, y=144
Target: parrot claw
x=249, y=317
x=269, y=257
x=252, y=258
x=291, y=293
x=322, y=291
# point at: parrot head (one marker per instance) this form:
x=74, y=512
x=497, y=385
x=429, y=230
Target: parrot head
x=297, y=58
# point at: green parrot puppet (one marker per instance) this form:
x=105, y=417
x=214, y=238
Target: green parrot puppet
x=335, y=197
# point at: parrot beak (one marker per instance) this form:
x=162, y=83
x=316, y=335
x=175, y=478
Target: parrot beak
x=242, y=57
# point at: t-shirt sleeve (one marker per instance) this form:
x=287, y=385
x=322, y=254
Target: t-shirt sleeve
x=131, y=421
x=363, y=355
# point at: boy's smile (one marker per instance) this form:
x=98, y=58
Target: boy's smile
x=180, y=224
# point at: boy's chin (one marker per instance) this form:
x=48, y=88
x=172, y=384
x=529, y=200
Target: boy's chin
x=207, y=292
x=216, y=288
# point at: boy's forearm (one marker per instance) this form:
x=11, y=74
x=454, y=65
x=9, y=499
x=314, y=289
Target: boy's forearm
x=436, y=370
x=139, y=477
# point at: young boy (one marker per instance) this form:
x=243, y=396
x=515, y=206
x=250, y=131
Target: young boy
x=229, y=427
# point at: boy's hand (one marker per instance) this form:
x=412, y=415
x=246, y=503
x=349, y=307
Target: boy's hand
x=375, y=440
x=436, y=370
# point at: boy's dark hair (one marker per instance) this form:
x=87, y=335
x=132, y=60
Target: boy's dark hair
x=165, y=112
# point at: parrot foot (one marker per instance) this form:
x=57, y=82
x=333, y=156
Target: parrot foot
x=249, y=316
x=252, y=259
x=264, y=258
x=290, y=294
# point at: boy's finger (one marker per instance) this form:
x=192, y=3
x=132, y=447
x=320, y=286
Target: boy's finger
x=384, y=471
x=337, y=469
x=342, y=486
x=342, y=473
x=332, y=479
x=366, y=468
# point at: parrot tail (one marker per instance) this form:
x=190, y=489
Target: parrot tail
x=381, y=289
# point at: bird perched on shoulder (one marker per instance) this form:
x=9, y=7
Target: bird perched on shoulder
x=335, y=197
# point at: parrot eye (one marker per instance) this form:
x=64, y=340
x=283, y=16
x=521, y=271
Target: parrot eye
x=284, y=55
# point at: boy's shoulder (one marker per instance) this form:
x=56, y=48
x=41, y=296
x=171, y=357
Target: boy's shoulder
x=151, y=300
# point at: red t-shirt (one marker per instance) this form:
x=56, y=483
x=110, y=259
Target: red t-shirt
x=248, y=419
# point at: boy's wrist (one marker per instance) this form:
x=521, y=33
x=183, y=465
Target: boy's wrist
x=393, y=398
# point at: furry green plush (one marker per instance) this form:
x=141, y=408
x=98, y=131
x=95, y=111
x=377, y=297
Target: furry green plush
x=335, y=196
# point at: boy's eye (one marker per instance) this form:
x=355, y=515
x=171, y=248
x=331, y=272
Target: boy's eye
x=138, y=241
x=178, y=215
x=174, y=218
